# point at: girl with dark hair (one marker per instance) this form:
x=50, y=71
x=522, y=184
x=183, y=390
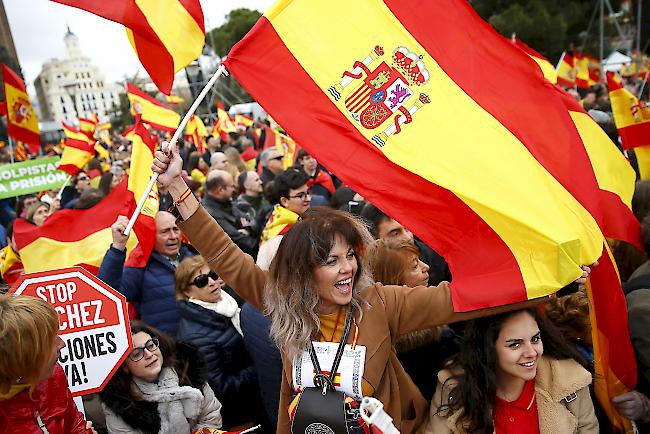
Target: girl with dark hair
x=327, y=315
x=160, y=388
x=514, y=373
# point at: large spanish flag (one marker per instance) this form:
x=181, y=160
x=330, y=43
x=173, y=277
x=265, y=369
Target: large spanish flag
x=72, y=237
x=632, y=117
x=142, y=151
x=79, y=150
x=566, y=71
x=167, y=35
x=152, y=111
x=22, y=123
x=431, y=110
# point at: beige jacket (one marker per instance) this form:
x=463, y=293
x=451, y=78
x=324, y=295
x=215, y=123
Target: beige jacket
x=557, y=383
x=394, y=311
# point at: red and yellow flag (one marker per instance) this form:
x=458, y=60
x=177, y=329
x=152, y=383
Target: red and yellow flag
x=22, y=123
x=128, y=133
x=614, y=361
x=582, y=69
x=547, y=68
x=152, y=111
x=632, y=117
x=614, y=174
x=243, y=121
x=431, y=110
x=513, y=215
x=566, y=73
x=142, y=152
x=174, y=99
x=72, y=237
x=11, y=268
x=79, y=150
x=167, y=35
x=594, y=70
x=224, y=123
x=20, y=152
x=196, y=132
x=88, y=126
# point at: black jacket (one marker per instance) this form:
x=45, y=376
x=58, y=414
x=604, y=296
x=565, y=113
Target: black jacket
x=230, y=370
x=266, y=357
x=224, y=214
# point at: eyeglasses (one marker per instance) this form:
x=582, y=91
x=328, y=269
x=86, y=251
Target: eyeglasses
x=302, y=196
x=138, y=353
x=83, y=178
x=202, y=279
x=279, y=157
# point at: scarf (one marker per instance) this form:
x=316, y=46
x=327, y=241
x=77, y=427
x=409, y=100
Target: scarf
x=279, y=223
x=176, y=404
x=227, y=307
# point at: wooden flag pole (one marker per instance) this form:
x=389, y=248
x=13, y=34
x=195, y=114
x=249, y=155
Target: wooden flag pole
x=172, y=143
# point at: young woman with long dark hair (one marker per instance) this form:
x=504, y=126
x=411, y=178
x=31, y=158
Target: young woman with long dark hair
x=514, y=373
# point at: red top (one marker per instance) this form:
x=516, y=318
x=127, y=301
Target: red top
x=50, y=406
x=519, y=416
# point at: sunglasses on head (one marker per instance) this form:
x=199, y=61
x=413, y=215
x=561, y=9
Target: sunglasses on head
x=202, y=279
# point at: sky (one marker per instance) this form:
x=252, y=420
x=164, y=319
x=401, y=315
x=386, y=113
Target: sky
x=38, y=27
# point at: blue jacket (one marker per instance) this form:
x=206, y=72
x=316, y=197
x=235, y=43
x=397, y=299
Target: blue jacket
x=230, y=370
x=150, y=289
x=266, y=358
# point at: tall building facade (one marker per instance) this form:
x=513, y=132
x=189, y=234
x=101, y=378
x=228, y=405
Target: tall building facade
x=73, y=87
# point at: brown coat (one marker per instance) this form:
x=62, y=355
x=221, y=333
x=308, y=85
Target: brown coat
x=393, y=311
x=556, y=380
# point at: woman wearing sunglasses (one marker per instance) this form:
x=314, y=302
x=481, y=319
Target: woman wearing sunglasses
x=210, y=322
x=160, y=388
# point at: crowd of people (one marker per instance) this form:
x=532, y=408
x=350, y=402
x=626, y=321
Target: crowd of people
x=277, y=297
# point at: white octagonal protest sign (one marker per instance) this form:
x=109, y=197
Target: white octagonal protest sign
x=93, y=323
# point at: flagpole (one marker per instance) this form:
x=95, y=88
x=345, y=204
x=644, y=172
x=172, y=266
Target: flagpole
x=60, y=193
x=557, y=67
x=11, y=149
x=220, y=71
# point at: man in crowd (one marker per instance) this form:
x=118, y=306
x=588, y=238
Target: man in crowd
x=320, y=182
x=72, y=194
x=218, y=161
x=212, y=144
x=150, y=289
x=384, y=227
x=251, y=199
x=219, y=188
x=271, y=161
x=294, y=199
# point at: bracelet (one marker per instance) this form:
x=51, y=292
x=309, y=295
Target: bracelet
x=184, y=196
